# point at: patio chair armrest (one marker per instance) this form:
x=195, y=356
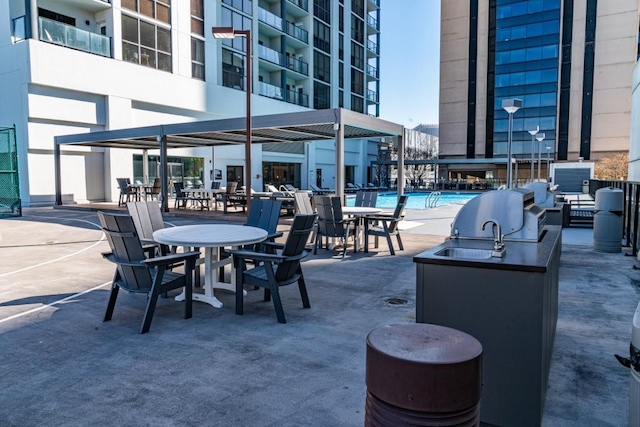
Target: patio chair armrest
x=382, y=218
x=277, y=245
x=171, y=259
x=109, y=256
x=258, y=256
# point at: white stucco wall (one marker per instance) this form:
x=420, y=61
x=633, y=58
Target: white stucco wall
x=634, y=140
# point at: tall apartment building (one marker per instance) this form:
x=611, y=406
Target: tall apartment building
x=73, y=66
x=569, y=61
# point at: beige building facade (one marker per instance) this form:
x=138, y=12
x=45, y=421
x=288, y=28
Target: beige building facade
x=570, y=61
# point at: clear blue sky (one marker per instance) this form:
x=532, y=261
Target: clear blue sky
x=409, y=61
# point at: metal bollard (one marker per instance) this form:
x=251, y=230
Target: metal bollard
x=422, y=375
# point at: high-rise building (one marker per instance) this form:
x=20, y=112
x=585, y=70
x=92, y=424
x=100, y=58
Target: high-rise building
x=569, y=61
x=71, y=66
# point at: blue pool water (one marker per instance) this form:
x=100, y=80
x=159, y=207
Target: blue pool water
x=417, y=200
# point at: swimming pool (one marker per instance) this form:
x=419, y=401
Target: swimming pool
x=417, y=200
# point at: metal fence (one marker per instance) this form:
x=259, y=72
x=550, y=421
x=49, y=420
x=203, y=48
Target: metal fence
x=10, y=203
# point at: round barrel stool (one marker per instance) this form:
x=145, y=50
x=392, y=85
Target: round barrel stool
x=422, y=375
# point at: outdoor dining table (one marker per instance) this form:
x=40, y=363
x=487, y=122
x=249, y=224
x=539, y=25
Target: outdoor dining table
x=211, y=237
x=362, y=225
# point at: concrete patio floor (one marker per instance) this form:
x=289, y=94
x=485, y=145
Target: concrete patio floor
x=61, y=365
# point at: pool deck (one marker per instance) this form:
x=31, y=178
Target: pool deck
x=63, y=366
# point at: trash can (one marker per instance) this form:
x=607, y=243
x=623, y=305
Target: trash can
x=585, y=186
x=633, y=363
x=420, y=374
x=607, y=220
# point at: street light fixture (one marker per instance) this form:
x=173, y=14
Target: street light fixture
x=510, y=106
x=533, y=133
x=548, y=152
x=230, y=33
x=539, y=137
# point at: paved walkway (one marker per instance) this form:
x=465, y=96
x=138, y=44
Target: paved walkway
x=63, y=366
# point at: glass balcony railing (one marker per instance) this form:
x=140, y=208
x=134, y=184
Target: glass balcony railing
x=373, y=22
x=65, y=35
x=297, y=32
x=270, y=19
x=302, y=4
x=376, y=2
x=270, y=55
x=19, y=28
x=270, y=91
x=372, y=47
x=372, y=95
x=297, y=98
x=297, y=65
x=372, y=71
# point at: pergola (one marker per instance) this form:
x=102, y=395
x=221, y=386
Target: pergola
x=332, y=124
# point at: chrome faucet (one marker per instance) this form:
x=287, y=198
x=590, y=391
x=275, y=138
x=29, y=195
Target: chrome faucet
x=498, y=238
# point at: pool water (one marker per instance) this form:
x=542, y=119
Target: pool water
x=417, y=200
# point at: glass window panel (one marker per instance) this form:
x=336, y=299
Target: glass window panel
x=504, y=11
x=226, y=18
x=518, y=125
x=534, y=53
x=550, y=4
x=534, y=30
x=550, y=27
x=502, y=80
x=503, y=34
x=197, y=26
x=548, y=99
x=164, y=62
x=550, y=51
x=146, y=8
x=503, y=57
x=129, y=29
x=197, y=50
x=518, y=32
x=163, y=13
x=501, y=125
x=247, y=6
x=519, y=55
x=535, y=6
x=517, y=79
x=147, y=34
x=530, y=123
x=197, y=8
x=130, y=4
x=548, y=76
x=130, y=53
x=246, y=23
x=532, y=77
x=518, y=9
x=532, y=100
x=164, y=40
x=148, y=57
x=547, y=123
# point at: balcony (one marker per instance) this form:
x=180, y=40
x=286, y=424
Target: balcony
x=65, y=35
x=375, y=2
x=19, y=28
x=302, y=4
x=372, y=47
x=372, y=71
x=372, y=95
x=270, y=91
x=270, y=19
x=270, y=55
x=297, y=65
x=373, y=23
x=297, y=32
x=297, y=98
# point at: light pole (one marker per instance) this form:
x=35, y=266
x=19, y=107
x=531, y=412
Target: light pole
x=548, y=152
x=230, y=33
x=533, y=133
x=510, y=106
x=539, y=137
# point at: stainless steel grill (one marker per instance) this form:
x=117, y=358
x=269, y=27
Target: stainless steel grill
x=521, y=219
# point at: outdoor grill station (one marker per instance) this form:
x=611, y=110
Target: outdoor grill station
x=496, y=278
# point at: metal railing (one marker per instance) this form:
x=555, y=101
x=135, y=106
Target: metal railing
x=373, y=22
x=297, y=32
x=302, y=4
x=297, y=65
x=270, y=91
x=372, y=47
x=65, y=35
x=372, y=95
x=372, y=71
x=270, y=19
x=297, y=98
x=269, y=54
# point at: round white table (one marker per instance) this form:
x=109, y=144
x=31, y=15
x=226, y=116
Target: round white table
x=362, y=225
x=210, y=237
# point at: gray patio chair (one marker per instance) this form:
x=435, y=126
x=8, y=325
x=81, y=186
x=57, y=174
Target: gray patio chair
x=387, y=226
x=331, y=222
x=127, y=193
x=155, y=190
x=137, y=273
x=147, y=218
x=366, y=199
x=304, y=207
x=274, y=270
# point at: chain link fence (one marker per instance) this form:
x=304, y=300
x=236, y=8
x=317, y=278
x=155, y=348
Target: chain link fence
x=10, y=203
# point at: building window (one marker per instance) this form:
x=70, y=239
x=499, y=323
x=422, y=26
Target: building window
x=281, y=173
x=197, y=58
x=232, y=69
x=160, y=10
x=146, y=43
x=357, y=29
x=197, y=17
x=322, y=10
x=357, y=82
x=357, y=55
x=238, y=22
x=321, y=36
x=341, y=47
x=341, y=99
x=341, y=75
x=321, y=66
x=321, y=96
x=357, y=104
x=244, y=5
x=341, y=19
x=357, y=6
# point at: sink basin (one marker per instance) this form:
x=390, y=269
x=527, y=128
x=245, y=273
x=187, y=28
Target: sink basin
x=465, y=253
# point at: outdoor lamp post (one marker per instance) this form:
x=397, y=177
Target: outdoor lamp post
x=510, y=106
x=539, y=137
x=230, y=33
x=533, y=133
x=548, y=152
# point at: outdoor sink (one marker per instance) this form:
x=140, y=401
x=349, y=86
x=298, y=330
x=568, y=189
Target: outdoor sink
x=465, y=253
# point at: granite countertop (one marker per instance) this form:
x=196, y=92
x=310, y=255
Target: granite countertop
x=522, y=256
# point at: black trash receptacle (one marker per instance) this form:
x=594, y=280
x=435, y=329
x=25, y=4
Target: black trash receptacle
x=423, y=375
